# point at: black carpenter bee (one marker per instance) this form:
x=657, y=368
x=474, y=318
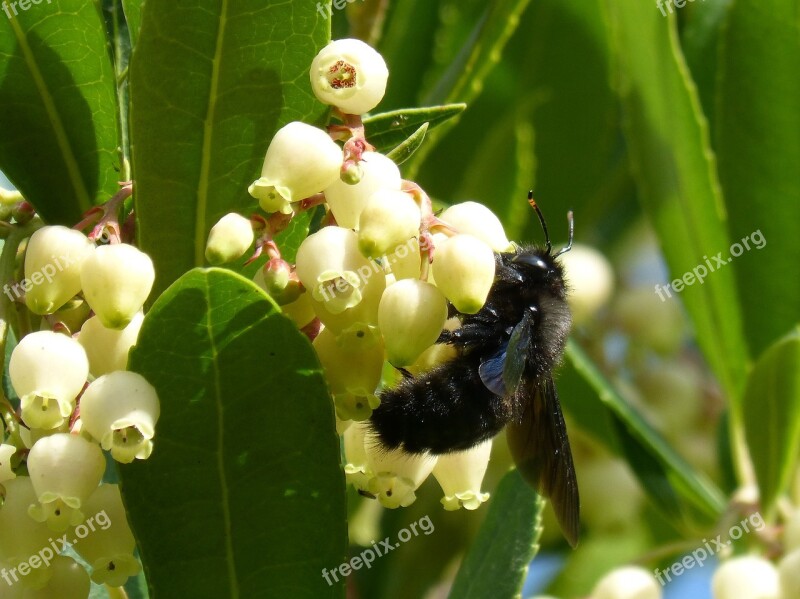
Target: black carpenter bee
x=501, y=377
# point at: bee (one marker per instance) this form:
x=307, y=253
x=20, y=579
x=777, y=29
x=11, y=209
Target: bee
x=501, y=376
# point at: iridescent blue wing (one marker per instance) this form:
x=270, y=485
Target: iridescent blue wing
x=502, y=371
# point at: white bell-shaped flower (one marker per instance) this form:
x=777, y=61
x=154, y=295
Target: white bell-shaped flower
x=590, y=279
x=47, y=371
x=6, y=451
x=65, y=469
x=350, y=75
x=116, y=281
x=53, y=262
x=332, y=269
x=356, y=468
x=463, y=267
x=411, y=317
x=388, y=221
x=789, y=574
x=460, y=475
x=746, y=577
x=629, y=582
x=404, y=262
x=22, y=537
x=477, y=220
x=229, y=239
x=347, y=201
x=107, y=349
x=396, y=474
x=301, y=161
x=109, y=545
x=69, y=580
x=120, y=409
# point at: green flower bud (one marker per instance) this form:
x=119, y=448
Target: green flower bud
x=350, y=75
x=746, y=577
x=301, y=160
x=53, y=261
x=47, y=371
x=463, y=267
x=477, y=220
x=109, y=546
x=591, y=281
x=65, y=469
x=460, y=475
x=612, y=497
x=411, y=317
x=120, y=410
x=229, y=239
x=629, y=582
x=388, y=221
x=116, y=281
x=347, y=201
x=107, y=349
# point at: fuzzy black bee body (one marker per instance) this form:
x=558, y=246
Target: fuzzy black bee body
x=501, y=377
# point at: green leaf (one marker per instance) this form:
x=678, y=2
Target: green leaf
x=772, y=417
x=387, y=130
x=58, y=122
x=244, y=494
x=758, y=145
x=210, y=84
x=133, y=16
x=404, y=150
x=660, y=470
x=497, y=562
x=675, y=171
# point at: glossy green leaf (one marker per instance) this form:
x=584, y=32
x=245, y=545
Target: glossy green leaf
x=210, y=84
x=133, y=15
x=497, y=562
x=387, y=130
x=758, y=137
x=675, y=172
x=661, y=471
x=403, y=151
x=243, y=496
x=58, y=117
x=772, y=417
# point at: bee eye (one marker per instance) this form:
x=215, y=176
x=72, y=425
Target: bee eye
x=531, y=260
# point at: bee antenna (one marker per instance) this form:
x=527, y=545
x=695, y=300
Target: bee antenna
x=535, y=206
x=568, y=247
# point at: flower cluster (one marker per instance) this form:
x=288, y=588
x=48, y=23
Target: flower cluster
x=76, y=400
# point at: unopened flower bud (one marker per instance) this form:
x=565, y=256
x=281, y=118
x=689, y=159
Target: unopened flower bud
x=614, y=494
x=629, y=582
x=229, y=239
x=300, y=310
x=477, y=220
x=590, y=279
x=107, y=349
x=789, y=574
x=396, y=474
x=116, y=281
x=21, y=535
x=47, y=371
x=23, y=213
x=464, y=270
x=746, y=577
x=460, y=475
x=53, y=262
x=65, y=469
x=389, y=219
x=332, y=269
x=347, y=201
x=301, y=160
x=405, y=261
x=120, y=410
x=277, y=278
x=68, y=580
x=109, y=548
x=350, y=75
x=411, y=316
x=6, y=451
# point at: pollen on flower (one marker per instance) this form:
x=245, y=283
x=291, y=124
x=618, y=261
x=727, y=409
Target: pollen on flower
x=342, y=75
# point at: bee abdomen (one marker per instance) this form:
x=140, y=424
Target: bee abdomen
x=447, y=409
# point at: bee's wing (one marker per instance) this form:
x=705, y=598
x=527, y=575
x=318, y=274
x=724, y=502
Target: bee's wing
x=503, y=370
x=540, y=448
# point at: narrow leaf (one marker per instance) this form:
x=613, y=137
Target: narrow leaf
x=389, y=129
x=404, y=150
x=58, y=122
x=133, y=15
x=497, y=562
x=772, y=417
